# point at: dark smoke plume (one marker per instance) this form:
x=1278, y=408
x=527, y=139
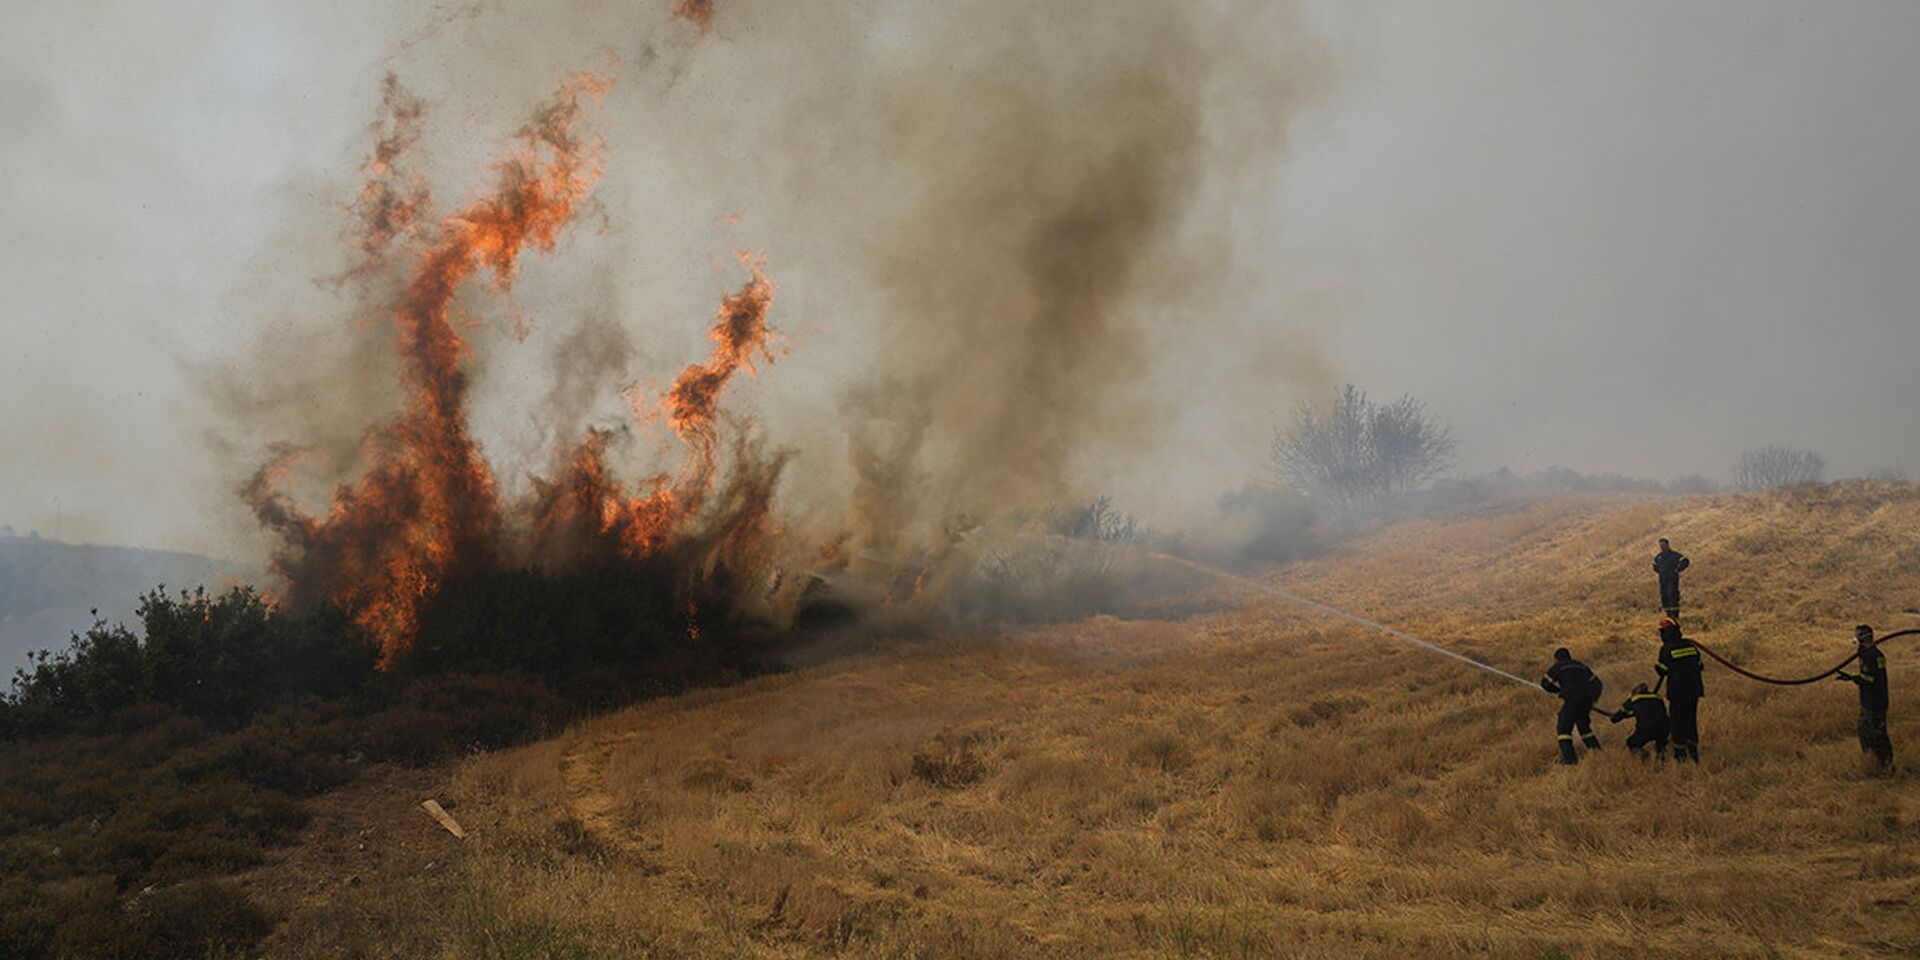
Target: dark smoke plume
x=1002, y=225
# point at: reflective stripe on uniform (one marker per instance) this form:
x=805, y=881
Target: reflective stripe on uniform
x=1566, y=736
x=1643, y=696
x=1684, y=652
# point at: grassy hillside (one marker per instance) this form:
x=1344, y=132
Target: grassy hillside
x=1257, y=781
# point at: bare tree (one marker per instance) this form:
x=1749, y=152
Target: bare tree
x=1357, y=451
x=1325, y=453
x=1409, y=446
x=1771, y=468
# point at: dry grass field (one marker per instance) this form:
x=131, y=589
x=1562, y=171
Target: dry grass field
x=1256, y=781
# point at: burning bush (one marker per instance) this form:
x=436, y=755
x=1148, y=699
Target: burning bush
x=180, y=749
x=420, y=540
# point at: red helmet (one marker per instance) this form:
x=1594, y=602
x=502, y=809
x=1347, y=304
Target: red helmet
x=1667, y=622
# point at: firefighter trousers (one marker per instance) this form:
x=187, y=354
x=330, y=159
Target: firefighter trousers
x=1575, y=714
x=1670, y=594
x=1874, y=738
x=1685, y=712
x=1640, y=739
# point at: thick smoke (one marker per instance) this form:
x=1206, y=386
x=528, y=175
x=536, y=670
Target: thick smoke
x=1039, y=233
x=1031, y=217
x=1008, y=236
x=1047, y=168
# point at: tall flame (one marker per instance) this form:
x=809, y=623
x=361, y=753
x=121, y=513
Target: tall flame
x=426, y=507
x=427, y=501
x=642, y=525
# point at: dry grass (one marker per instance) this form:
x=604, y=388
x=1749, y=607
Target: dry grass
x=1253, y=783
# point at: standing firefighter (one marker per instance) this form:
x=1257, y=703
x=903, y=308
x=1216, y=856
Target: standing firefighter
x=1668, y=563
x=1872, y=681
x=1578, y=689
x=1649, y=722
x=1679, y=669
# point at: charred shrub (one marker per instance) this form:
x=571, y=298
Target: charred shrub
x=28, y=918
x=202, y=918
x=716, y=778
x=948, y=768
x=431, y=717
x=597, y=634
x=1036, y=581
x=140, y=764
x=952, y=760
x=1265, y=524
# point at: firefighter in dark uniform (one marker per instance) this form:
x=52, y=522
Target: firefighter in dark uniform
x=1649, y=722
x=1872, y=681
x=1668, y=563
x=1578, y=689
x=1679, y=669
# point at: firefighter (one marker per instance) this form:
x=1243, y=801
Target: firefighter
x=1649, y=722
x=1872, y=681
x=1578, y=689
x=1667, y=564
x=1679, y=668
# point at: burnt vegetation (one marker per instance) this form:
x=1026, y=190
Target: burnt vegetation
x=424, y=617
x=149, y=763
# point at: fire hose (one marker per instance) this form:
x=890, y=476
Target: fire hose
x=1331, y=610
x=1749, y=674
x=1334, y=611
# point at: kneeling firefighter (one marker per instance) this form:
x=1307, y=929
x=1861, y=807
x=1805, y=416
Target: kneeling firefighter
x=1578, y=689
x=1649, y=722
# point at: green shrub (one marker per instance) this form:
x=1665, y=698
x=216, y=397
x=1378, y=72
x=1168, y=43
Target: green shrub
x=140, y=765
x=217, y=658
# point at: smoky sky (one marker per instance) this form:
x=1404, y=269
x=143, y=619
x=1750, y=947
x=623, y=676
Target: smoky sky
x=1615, y=237
x=1628, y=236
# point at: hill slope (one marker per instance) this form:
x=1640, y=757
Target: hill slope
x=1259, y=781
x=50, y=590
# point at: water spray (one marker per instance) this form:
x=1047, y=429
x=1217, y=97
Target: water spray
x=1334, y=611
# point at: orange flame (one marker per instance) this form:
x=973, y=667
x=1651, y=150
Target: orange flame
x=426, y=509
x=739, y=331
x=643, y=525
x=393, y=200
x=427, y=501
x=697, y=12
